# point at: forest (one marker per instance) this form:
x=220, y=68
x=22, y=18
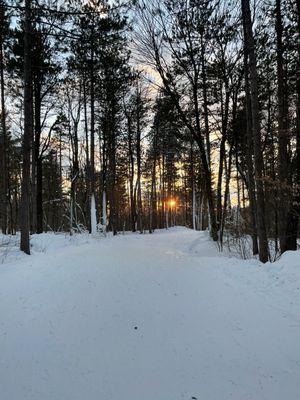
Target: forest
x=140, y=115
x=149, y=199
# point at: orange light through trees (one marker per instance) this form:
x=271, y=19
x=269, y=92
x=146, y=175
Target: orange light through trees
x=172, y=203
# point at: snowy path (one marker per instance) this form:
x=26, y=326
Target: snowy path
x=148, y=317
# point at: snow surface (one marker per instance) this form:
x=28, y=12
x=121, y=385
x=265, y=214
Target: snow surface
x=147, y=317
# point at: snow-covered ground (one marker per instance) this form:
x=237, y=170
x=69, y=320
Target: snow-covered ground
x=147, y=317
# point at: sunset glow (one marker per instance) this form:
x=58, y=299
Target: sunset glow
x=172, y=203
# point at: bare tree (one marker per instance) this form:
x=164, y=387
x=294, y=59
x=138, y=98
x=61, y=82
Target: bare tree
x=161, y=48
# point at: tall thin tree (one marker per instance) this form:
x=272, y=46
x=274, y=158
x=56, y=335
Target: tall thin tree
x=28, y=132
x=256, y=131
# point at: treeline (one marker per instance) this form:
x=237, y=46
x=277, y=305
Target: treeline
x=146, y=114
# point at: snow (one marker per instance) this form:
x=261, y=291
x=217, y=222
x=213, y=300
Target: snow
x=147, y=317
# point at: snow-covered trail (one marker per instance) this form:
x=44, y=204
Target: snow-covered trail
x=148, y=317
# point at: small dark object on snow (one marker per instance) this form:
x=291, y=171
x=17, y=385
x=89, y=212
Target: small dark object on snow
x=135, y=327
x=194, y=398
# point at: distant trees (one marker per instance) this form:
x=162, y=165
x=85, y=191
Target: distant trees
x=211, y=81
x=100, y=59
x=135, y=110
x=165, y=154
x=177, y=33
x=198, y=126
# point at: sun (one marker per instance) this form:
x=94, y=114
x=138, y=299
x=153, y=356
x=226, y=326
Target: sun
x=172, y=203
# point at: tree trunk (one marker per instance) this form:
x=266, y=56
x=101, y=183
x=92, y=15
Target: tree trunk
x=39, y=195
x=225, y=113
x=92, y=141
x=131, y=176
x=249, y=156
x=104, y=185
x=205, y=102
x=87, y=151
x=226, y=195
x=206, y=169
x=139, y=173
x=153, y=202
x=282, y=134
x=75, y=170
x=112, y=184
x=258, y=157
x=3, y=138
x=28, y=133
x=293, y=216
x=37, y=181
